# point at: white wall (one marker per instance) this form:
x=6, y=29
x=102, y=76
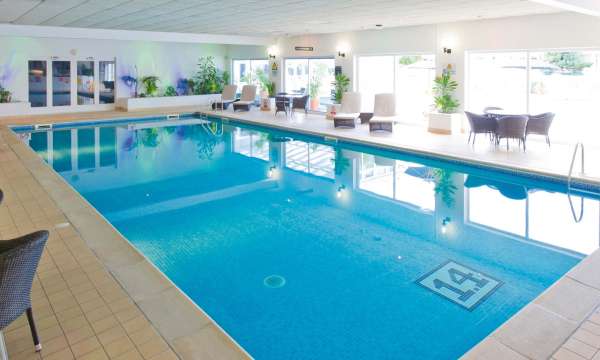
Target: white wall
x=560, y=30
x=168, y=60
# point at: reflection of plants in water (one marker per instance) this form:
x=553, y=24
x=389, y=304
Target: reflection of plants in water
x=444, y=186
x=263, y=138
x=149, y=137
x=341, y=162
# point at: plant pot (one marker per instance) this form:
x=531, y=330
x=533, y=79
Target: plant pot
x=332, y=110
x=445, y=124
x=314, y=104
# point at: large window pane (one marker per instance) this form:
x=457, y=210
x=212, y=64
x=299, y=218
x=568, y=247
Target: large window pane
x=311, y=158
x=497, y=79
x=107, y=82
x=414, y=82
x=567, y=84
x=85, y=82
x=251, y=143
x=296, y=76
x=506, y=215
x=37, y=83
x=302, y=75
x=375, y=76
x=61, y=83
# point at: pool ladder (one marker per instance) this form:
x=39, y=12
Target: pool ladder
x=578, y=146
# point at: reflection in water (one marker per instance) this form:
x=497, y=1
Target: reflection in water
x=157, y=152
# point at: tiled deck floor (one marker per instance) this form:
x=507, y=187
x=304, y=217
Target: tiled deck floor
x=82, y=311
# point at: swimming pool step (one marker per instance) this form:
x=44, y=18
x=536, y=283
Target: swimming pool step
x=188, y=201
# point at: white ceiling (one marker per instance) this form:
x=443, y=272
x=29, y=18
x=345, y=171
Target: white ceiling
x=256, y=17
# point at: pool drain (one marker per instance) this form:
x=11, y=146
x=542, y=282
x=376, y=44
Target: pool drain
x=274, y=281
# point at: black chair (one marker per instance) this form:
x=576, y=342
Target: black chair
x=19, y=259
x=300, y=103
x=540, y=125
x=282, y=103
x=512, y=127
x=481, y=124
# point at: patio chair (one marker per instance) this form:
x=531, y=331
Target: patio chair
x=540, y=125
x=365, y=117
x=384, y=113
x=349, y=111
x=300, y=103
x=282, y=103
x=489, y=109
x=19, y=259
x=512, y=127
x=227, y=98
x=481, y=124
x=247, y=99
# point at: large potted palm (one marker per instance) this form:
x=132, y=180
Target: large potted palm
x=445, y=120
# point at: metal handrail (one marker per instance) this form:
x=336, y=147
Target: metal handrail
x=570, y=177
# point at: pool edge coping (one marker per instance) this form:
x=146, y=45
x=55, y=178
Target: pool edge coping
x=120, y=269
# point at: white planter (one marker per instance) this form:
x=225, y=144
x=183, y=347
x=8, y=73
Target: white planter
x=14, y=108
x=445, y=124
x=144, y=103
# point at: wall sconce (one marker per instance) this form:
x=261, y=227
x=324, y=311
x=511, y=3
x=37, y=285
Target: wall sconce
x=272, y=52
x=445, y=223
x=447, y=51
x=341, y=54
x=342, y=50
x=340, y=191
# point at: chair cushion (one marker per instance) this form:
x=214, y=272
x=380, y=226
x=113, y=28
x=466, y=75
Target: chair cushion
x=383, y=119
x=241, y=102
x=346, y=116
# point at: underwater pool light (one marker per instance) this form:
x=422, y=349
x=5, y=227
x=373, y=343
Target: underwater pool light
x=445, y=223
x=340, y=191
x=271, y=171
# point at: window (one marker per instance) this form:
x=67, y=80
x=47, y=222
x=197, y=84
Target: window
x=310, y=158
x=37, y=83
x=61, y=83
x=250, y=72
x=107, y=82
x=399, y=180
x=85, y=82
x=566, y=83
x=312, y=76
x=409, y=77
x=251, y=143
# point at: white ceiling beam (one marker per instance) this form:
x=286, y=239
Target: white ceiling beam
x=588, y=7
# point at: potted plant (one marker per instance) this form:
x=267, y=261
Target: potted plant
x=340, y=86
x=5, y=95
x=150, y=85
x=445, y=120
x=313, y=92
x=170, y=91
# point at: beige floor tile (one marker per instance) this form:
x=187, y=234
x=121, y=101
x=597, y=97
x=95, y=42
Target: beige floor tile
x=564, y=354
x=86, y=346
x=97, y=354
x=152, y=348
x=119, y=347
x=208, y=343
x=580, y=348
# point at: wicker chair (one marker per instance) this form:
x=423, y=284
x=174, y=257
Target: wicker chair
x=481, y=124
x=540, y=125
x=512, y=127
x=300, y=103
x=19, y=259
x=282, y=103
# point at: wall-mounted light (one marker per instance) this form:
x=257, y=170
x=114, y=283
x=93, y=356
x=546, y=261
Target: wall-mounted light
x=272, y=52
x=445, y=223
x=271, y=171
x=447, y=51
x=342, y=50
x=340, y=191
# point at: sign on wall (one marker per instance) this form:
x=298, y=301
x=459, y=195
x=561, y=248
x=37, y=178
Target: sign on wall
x=304, y=48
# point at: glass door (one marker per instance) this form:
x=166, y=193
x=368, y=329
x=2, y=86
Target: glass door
x=61, y=83
x=85, y=83
x=38, y=83
x=106, y=81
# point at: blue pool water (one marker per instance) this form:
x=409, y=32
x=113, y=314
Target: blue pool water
x=305, y=249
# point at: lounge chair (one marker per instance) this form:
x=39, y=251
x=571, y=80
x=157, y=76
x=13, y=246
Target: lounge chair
x=512, y=127
x=247, y=99
x=384, y=113
x=19, y=259
x=540, y=125
x=481, y=124
x=349, y=111
x=227, y=97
